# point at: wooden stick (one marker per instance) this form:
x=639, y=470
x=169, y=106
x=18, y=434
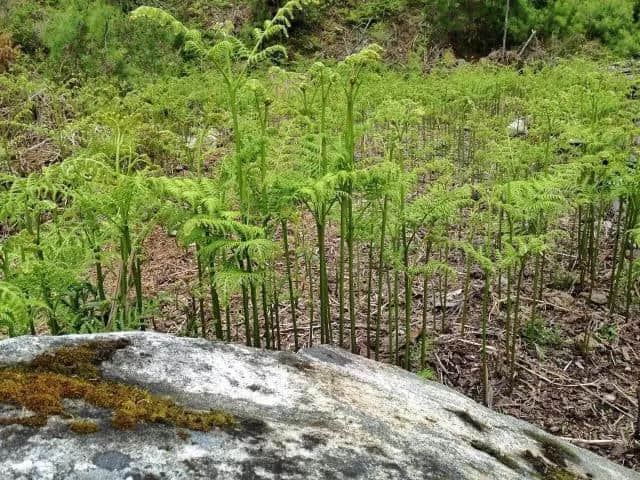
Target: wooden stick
x=637, y=432
x=440, y=364
x=604, y=400
x=542, y=302
x=551, y=382
x=604, y=441
x=526, y=44
x=631, y=400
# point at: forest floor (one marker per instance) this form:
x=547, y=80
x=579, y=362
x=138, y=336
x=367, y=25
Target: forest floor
x=589, y=398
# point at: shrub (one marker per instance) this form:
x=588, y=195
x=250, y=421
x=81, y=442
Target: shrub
x=93, y=37
x=22, y=20
x=8, y=52
x=377, y=9
x=476, y=26
x=612, y=22
x=88, y=33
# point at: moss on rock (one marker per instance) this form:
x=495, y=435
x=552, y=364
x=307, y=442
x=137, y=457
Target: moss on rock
x=84, y=427
x=74, y=373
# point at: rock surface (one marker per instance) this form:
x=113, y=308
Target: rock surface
x=518, y=128
x=318, y=414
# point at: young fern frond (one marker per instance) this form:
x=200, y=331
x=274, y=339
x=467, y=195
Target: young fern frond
x=433, y=267
x=220, y=227
x=186, y=38
x=267, y=53
x=441, y=204
x=230, y=281
x=477, y=254
x=15, y=309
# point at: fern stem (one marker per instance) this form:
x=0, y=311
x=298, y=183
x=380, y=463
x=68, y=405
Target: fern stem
x=423, y=336
x=276, y=311
x=267, y=318
x=137, y=275
x=352, y=287
x=516, y=317
x=325, y=313
x=369, y=294
x=343, y=228
x=292, y=297
x=310, y=279
x=203, y=321
x=227, y=317
x=215, y=299
x=389, y=315
x=245, y=309
x=466, y=288
x=383, y=228
x=396, y=314
x=254, y=305
x=614, y=256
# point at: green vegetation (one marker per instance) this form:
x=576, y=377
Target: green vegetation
x=427, y=374
x=479, y=26
x=328, y=200
x=539, y=334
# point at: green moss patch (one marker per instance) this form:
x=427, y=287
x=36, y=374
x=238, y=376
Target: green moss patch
x=74, y=373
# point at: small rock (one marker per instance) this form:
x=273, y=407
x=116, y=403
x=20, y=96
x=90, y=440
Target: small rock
x=625, y=353
x=597, y=298
x=577, y=143
x=518, y=128
x=579, y=342
x=561, y=299
x=608, y=226
x=453, y=300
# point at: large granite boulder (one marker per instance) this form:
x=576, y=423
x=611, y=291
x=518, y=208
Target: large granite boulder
x=149, y=406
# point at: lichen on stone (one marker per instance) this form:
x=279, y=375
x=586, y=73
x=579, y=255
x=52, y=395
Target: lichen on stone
x=74, y=373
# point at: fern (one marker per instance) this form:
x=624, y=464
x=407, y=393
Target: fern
x=15, y=311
